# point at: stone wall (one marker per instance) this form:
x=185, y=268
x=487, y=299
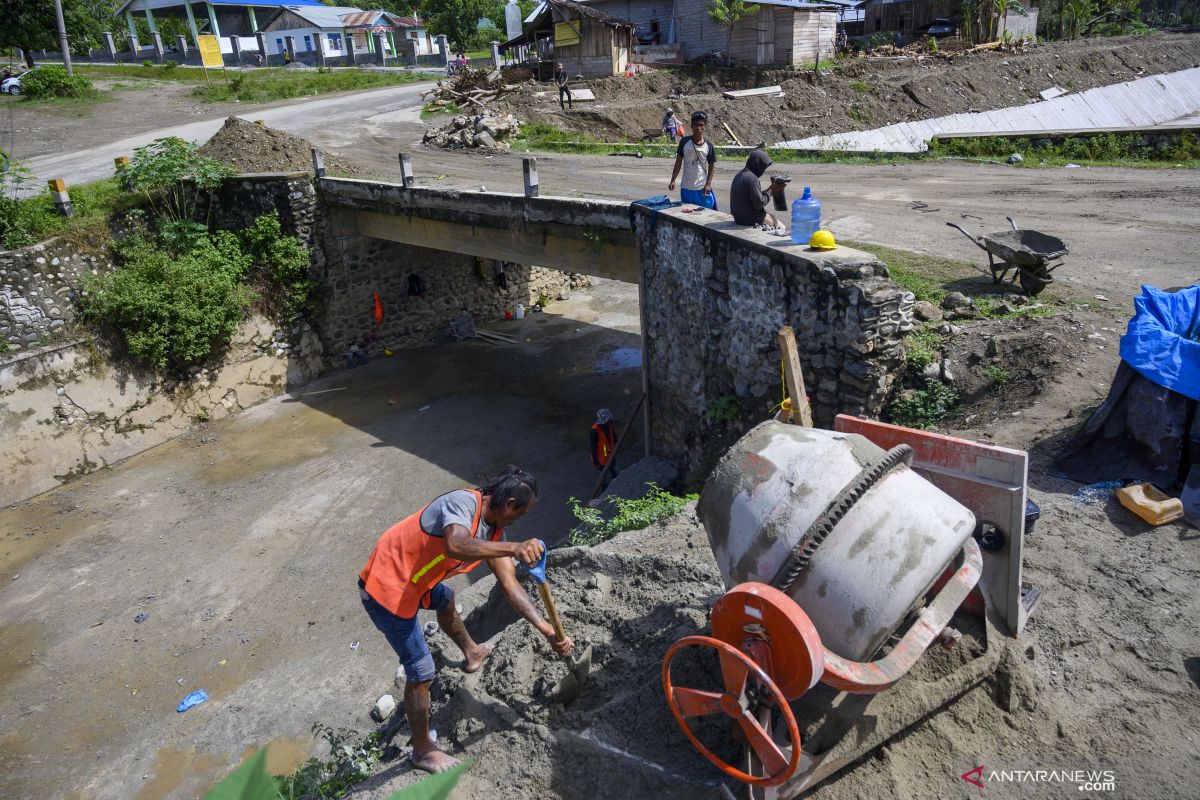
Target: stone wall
x=714, y=296
x=357, y=267
x=65, y=411
x=245, y=198
x=38, y=285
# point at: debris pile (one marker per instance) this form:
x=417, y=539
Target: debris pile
x=249, y=147
x=471, y=89
x=481, y=130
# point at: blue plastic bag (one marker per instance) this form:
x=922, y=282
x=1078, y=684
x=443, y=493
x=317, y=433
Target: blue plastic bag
x=1161, y=340
x=194, y=699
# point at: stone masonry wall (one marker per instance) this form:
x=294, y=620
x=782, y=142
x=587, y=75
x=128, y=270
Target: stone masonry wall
x=715, y=296
x=38, y=285
x=356, y=267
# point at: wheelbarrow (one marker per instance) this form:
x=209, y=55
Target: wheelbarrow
x=1025, y=253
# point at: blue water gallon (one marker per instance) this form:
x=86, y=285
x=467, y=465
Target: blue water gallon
x=806, y=217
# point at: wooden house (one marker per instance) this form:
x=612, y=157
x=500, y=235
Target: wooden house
x=587, y=41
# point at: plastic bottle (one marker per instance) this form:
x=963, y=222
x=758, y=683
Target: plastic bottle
x=806, y=217
x=520, y=311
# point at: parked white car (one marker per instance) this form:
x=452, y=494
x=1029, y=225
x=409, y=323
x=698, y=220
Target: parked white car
x=12, y=85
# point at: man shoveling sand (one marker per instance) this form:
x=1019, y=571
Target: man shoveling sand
x=405, y=572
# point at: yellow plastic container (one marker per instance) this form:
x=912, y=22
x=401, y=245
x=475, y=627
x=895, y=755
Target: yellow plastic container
x=1150, y=504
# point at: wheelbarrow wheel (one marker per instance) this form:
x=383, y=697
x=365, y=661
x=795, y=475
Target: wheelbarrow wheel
x=1034, y=281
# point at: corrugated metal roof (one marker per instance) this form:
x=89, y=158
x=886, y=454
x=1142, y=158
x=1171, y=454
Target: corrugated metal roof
x=1156, y=101
x=362, y=19
x=323, y=16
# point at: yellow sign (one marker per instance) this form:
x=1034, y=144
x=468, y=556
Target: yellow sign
x=566, y=33
x=210, y=51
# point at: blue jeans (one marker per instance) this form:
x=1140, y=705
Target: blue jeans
x=698, y=197
x=405, y=634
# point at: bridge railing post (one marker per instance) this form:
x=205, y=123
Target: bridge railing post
x=529, y=167
x=406, y=172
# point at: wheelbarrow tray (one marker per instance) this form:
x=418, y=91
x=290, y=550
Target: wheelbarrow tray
x=1023, y=248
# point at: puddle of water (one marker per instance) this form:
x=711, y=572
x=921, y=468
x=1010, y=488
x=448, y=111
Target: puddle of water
x=621, y=358
x=284, y=754
x=18, y=643
x=172, y=768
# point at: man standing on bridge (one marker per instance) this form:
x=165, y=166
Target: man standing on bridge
x=406, y=570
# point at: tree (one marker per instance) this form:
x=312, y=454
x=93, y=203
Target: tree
x=30, y=24
x=727, y=13
x=457, y=19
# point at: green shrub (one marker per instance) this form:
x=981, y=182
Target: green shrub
x=173, y=310
x=997, y=374
x=724, y=408
x=147, y=63
x=921, y=348
x=53, y=81
x=632, y=515
x=922, y=408
x=164, y=170
x=283, y=264
x=170, y=66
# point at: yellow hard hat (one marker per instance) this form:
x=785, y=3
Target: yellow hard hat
x=822, y=240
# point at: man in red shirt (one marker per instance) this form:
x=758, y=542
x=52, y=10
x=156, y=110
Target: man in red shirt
x=406, y=570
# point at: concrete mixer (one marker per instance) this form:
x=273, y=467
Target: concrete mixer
x=835, y=550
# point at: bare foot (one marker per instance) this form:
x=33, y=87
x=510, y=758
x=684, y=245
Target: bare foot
x=476, y=658
x=433, y=760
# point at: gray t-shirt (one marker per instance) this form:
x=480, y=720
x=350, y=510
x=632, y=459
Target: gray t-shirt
x=453, y=508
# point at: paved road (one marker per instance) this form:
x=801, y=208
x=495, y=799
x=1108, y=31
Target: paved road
x=301, y=119
x=1124, y=227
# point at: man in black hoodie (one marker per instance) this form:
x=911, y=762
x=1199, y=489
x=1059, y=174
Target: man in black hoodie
x=747, y=200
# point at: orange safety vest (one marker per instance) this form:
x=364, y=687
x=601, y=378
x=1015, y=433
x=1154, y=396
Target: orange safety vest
x=408, y=562
x=604, y=442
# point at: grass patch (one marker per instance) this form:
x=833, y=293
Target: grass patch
x=997, y=374
x=922, y=347
x=632, y=515
x=860, y=86
x=133, y=84
x=177, y=74
x=35, y=219
x=1100, y=150
x=922, y=408
x=261, y=86
x=925, y=276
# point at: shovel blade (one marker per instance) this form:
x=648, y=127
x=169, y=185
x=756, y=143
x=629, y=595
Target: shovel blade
x=569, y=688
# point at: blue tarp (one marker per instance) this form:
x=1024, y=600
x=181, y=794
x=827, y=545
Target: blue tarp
x=1161, y=342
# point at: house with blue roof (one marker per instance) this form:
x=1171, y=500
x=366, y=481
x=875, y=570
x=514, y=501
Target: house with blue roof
x=221, y=18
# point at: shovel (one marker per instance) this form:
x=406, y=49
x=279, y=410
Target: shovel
x=569, y=687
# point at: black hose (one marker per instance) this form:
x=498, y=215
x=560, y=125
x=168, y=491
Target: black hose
x=823, y=525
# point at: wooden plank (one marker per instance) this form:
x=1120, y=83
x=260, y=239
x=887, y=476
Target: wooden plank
x=752, y=92
x=539, y=245
x=801, y=411
x=732, y=135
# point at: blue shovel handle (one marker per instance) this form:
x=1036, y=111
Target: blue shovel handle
x=538, y=570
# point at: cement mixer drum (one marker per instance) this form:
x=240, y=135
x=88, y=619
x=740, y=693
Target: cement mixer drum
x=850, y=533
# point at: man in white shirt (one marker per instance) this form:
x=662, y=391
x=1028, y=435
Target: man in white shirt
x=697, y=159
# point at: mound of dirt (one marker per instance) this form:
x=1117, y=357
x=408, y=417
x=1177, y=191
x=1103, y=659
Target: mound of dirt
x=859, y=93
x=249, y=147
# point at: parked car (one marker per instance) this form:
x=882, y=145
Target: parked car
x=939, y=28
x=12, y=84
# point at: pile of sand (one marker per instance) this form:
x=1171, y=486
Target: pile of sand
x=249, y=147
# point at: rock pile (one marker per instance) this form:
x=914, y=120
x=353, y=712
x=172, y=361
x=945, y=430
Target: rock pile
x=481, y=130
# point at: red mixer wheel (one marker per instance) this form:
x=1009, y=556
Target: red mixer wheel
x=736, y=669
x=793, y=656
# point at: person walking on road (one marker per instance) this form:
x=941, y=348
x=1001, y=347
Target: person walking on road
x=405, y=574
x=603, y=441
x=697, y=159
x=560, y=77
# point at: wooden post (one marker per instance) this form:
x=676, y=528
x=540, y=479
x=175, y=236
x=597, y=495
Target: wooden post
x=529, y=167
x=318, y=163
x=801, y=412
x=406, y=171
x=62, y=200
